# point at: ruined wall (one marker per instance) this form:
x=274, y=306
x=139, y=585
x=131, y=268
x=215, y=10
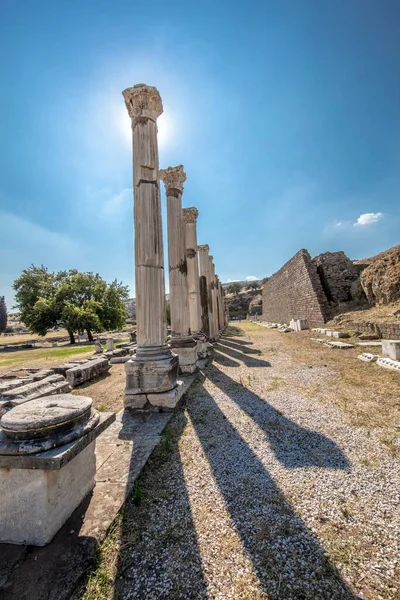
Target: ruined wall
x=295, y=292
x=339, y=277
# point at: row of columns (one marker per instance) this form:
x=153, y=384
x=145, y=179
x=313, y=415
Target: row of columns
x=196, y=294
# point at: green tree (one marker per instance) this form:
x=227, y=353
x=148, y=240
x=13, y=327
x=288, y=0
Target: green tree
x=254, y=285
x=77, y=301
x=265, y=280
x=168, y=312
x=3, y=315
x=234, y=288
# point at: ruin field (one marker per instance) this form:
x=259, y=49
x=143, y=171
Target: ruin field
x=278, y=478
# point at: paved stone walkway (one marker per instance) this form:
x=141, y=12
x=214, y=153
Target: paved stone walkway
x=265, y=493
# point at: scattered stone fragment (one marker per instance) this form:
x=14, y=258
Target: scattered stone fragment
x=90, y=370
x=54, y=384
x=367, y=357
x=340, y=345
x=389, y=363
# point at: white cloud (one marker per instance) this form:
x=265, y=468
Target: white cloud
x=251, y=278
x=368, y=219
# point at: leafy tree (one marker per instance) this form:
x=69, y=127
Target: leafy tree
x=3, y=315
x=234, y=288
x=254, y=285
x=77, y=301
x=168, y=312
x=265, y=280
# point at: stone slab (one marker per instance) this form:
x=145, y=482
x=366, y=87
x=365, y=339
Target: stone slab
x=116, y=360
x=389, y=363
x=367, y=357
x=370, y=344
x=340, y=345
x=56, y=458
x=391, y=349
x=87, y=371
x=45, y=415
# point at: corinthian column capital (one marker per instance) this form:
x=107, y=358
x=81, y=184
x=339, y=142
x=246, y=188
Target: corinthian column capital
x=143, y=101
x=190, y=215
x=173, y=178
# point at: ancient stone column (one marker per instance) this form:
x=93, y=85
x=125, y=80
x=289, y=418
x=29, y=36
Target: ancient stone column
x=220, y=305
x=204, y=288
x=151, y=374
x=214, y=305
x=182, y=342
x=190, y=218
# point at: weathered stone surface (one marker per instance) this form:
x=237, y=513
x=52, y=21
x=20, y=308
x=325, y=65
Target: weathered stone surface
x=38, y=502
x=389, y=363
x=53, y=452
x=86, y=372
x=338, y=275
x=98, y=348
x=295, y=289
x=62, y=369
x=151, y=376
x=116, y=360
x=391, y=349
x=381, y=278
x=167, y=399
x=340, y=345
x=45, y=416
x=367, y=357
x=54, y=384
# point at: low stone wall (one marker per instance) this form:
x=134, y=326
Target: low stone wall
x=388, y=331
x=295, y=292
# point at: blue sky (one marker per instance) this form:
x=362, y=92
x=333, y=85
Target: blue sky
x=285, y=114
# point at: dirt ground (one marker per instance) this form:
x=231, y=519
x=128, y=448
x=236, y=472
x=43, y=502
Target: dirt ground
x=276, y=480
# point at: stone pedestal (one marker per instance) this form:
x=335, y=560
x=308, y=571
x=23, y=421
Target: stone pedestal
x=391, y=349
x=110, y=345
x=182, y=342
x=154, y=368
x=47, y=465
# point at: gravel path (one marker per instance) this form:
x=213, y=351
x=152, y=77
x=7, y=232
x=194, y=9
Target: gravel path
x=260, y=492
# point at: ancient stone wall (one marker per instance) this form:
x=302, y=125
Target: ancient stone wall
x=339, y=277
x=295, y=292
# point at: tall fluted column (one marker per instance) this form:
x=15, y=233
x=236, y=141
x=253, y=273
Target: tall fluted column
x=182, y=342
x=151, y=374
x=213, y=300
x=220, y=305
x=190, y=219
x=204, y=288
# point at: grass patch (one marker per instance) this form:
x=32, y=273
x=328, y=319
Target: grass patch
x=43, y=354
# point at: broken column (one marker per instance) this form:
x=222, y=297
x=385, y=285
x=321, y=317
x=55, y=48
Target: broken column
x=47, y=465
x=189, y=219
x=151, y=375
x=182, y=342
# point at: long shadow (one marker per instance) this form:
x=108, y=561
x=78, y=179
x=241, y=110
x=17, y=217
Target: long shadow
x=287, y=558
x=224, y=360
x=244, y=358
x=159, y=556
x=238, y=346
x=293, y=445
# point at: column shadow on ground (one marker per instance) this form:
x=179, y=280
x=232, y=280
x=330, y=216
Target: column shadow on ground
x=287, y=558
x=237, y=345
x=249, y=361
x=159, y=556
x=293, y=445
x=224, y=360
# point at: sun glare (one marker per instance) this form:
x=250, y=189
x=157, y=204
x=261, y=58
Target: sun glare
x=163, y=124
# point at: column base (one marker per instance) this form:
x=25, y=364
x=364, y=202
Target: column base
x=149, y=372
x=152, y=402
x=186, y=350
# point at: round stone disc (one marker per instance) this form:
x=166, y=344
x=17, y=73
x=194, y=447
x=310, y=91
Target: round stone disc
x=46, y=416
